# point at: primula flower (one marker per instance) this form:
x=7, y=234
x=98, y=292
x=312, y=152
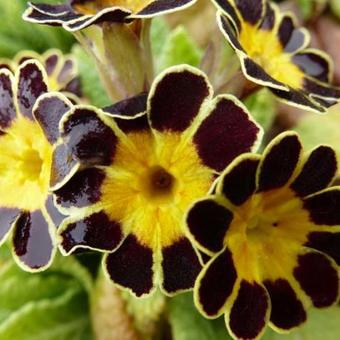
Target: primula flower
x=273, y=231
x=126, y=183
x=27, y=136
x=274, y=52
x=62, y=71
x=79, y=14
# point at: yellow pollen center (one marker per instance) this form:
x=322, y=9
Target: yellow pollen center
x=25, y=162
x=94, y=6
x=264, y=48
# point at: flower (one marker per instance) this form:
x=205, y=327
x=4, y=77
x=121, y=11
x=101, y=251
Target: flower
x=273, y=231
x=274, y=53
x=79, y=14
x=62, y=71
x=27, y=138
x=126, y=177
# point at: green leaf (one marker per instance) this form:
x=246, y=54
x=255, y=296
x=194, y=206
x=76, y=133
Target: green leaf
x=188, y=324
x=62, y=318
x=91, y=84
x=335, y=7
x=262, y=107
x=159, y=33
x=321, y=325
x=179, y=48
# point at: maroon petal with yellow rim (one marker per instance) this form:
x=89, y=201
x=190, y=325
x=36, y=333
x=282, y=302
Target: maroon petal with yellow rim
x=287, y=310
x=229, y=10
x=324, y=207
x=251, y=11
x=32, y=242
x=74, y=86
x=82, y=190
x=176, y=99
x=7, y=218
x=50, y=9
x=63, y=166
x=96, y=231
x=31, y=85
x=279, y=162
x=269, y=18
x=48, y=111
x=256, y=73
x=292, y=39
x=208, y=222
x=321, y=90
x=131, y=266
x=66, y=71
x=249, y=313
x=326, y=242
x=180, y=265
x=227, y=132
x=317, y=173
x=158, y=7
x=300, y=99
x=51, y=63
x=7, y=108
x=319, y=278
x=56, y=216
x=215, y=284
x=239, y=181
x=84, y=132
x=314, y=64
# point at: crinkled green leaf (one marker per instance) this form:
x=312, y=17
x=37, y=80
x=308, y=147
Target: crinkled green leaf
x=17, y=35
x=187, y=324
x=159, y=32
x=262, y=107
x=321, y=325
x=91, y=84
x=179, y=48
x=335, y=6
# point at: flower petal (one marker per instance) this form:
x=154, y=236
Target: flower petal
x=51, y=60
x=31, y=80
x=48, y=111
x=238, y=182
x=64, y=166
x=53, y=212
x=269, y=18
x=7, y=108
x=82, y=190
x=176, y=98
x=299, y=99
x=226, y=132
x=250, y=311
x=292, y=39
x=84, y=129
x=158, y=7
x=95, y=231
x=67, y=71
x=33, y=244
x=208, y=222
x=7, y=218
x=279, y=162
x=318, y=277
x=315, y=64
x=325, y=242
x=324, y=207
x=215, y=285
x=251, y=10
x=287, y=310
x=50, y=9
x=322, y=90
x=317, y=173
x=180, y=265
x=228, y=9
x=131, y=267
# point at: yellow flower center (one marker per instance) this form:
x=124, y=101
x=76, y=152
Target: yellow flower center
x=264, y=48
x=151, y=184
x=93, y=6
x=266, y=232
x=25, y=162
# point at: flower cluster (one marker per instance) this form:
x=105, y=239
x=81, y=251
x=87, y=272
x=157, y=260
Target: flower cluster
x=166, y=183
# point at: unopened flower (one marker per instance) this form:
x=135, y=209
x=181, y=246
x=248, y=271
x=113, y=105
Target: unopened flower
x=274, y=52
x=273, y=231
x=27, y=137
x=79, y=14
x=61, y=71
x=126, y=180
